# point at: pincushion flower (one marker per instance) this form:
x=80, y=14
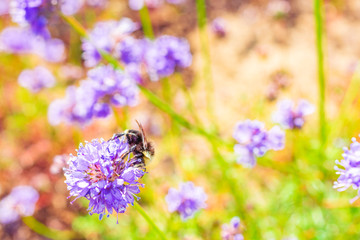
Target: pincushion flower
x=105, y=35
x=232, y=231
x=350, y=169
x=101, y=173
x=254, y=141
x=36, y=79
x=187, y=200
x=20, y=202
x=104, y=87
x=291, y=117
x=165, y=55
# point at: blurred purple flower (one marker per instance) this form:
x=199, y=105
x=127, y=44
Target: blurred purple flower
x=165, y=54
x=20, y=202
x=36, y=79
x=186, y=201
x=115, y=85
x=232, y=231
x=136, y=5
x=104, y=36
x=218, y=26
x=254, y=141
x=100, y=174
x=97, y=3
x=291, y=117
x=4, y=7
x=76, y=107
x=23, y=41
x=350, y=171
x=70, y=7
x=93, y=97
x=132, y=50
x=31, y=13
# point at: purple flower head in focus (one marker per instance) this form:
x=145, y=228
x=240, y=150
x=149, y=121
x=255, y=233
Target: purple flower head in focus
x=218, y=26
x=104, y=36
x=36, y=79
x=165, y=55
x=291, y=117
x=20, y=202
x=254, y=141
x=350, y=169
x=187, y=200
x=99, y=173
x=232, y=231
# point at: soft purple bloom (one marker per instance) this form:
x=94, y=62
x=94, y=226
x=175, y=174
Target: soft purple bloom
x=118, y=87
x=136, y=5
x=187, y=200
x=350, y=169
x=104, y=36
x=4, y=7
x=36, y=79
x=20, y=202
x=254, y=141
x=76, y=107
x=31, y=13
x=165, y=55
x=99, y=173
x=23, y=41
x=132, y=50
x=291, y=117
x=232, y=231
x=70, y=7
x=105, y=86
x=218, y=26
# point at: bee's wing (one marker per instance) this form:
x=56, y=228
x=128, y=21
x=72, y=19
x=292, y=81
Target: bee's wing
x=142, y=133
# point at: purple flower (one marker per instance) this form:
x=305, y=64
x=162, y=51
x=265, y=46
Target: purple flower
x=76, y=107
x=232, y=231
x=70, y=7
x=136, y=5
x=20, y=202
x=36, y=79
x=101, y=174
x=176, y=1
x=291, y=117
x=24, y=41
x=254, y=141
x=165, y=55
x=350, y=171
x=218, y=26
x=31, y=13
x=114, y=85
x=186, y=201
x=131, y=50
x=105, y=86
x=4, y=7
x=104, y=36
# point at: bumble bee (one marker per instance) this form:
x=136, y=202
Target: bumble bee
x=138, y=146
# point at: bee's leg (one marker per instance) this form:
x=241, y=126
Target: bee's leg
x=117, y=135
x=128, y=153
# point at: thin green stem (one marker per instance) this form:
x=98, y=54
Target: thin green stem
x=146, y=22
x=47, y=232
x=149, y=220
x=318, y=14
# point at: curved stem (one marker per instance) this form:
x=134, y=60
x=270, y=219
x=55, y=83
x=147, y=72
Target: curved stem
x=149, y=220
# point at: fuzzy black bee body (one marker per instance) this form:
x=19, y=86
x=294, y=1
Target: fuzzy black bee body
x=141, y=149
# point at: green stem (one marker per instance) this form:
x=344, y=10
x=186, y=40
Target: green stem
x=43, y=230
x=149, y=220
x=146, y=22
x=318, y=10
